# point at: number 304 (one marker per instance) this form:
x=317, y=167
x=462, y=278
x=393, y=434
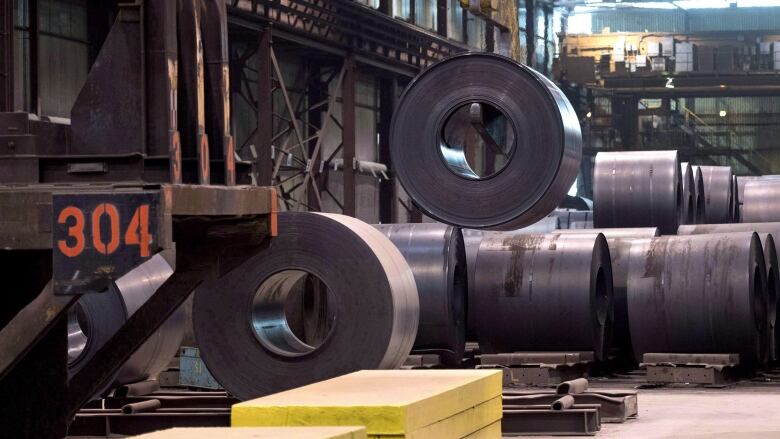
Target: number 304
x=137, y=232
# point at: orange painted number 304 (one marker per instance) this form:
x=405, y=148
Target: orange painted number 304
x=137, y=232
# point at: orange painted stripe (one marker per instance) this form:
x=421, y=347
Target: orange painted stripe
x=274, y=220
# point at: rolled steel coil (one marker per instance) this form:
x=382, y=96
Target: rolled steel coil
x=736, y=213
x=741, y=182
x=360, y=308
x=437, y=257
x=760, y=202
x=699, y=203
x=541, y=149
x=718, y=197
x=619, y=241
x=96, y=317
x=637, y=189
x=544, y=293
x=767, y=233
x=568, y=219
x=699, y=294
x=688, y=211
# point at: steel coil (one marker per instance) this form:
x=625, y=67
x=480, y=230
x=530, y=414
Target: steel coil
x=329, y=296
x=688, y=211
x=544, y=293
x=736, y=213
x=699, y=294
x=741, y=182
x=718, y=197
x=637, y=189
x=699, y=203
x=767, y=233
x=436, y=255
x=760, y=202
x=525, y=127
x=96, y=317
x=619, y=241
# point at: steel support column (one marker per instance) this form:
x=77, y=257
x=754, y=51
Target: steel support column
x=6, y=55
x=530, y=31
x=348, y=135
x=35, y=36
x=264, y=134
x=387, y=198
x=441, y=17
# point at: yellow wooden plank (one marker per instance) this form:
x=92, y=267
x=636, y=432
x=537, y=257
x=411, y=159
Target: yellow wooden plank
x=259, y=433
x=460, y=425
x=387, y=402
x=492, y=431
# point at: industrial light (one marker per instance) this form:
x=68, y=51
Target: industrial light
x=670, y=83
x=589, y=115
x=722, y=113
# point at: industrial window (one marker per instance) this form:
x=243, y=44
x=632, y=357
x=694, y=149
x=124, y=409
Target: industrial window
x=475, y=30
x=455, y=20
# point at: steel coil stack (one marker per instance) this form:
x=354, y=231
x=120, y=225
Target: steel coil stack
x=699, y=294
x=619, y=241
x=436, y=255
x=637, y=189
x=359, y=308
x=543, y=293
x=718, y=194
x=521, y=126
x=96, y=317
x=688, y=211
x=767, y=233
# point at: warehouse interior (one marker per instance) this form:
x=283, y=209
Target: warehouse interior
x=315, y=219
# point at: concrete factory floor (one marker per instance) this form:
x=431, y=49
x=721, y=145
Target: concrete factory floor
x=744, y=411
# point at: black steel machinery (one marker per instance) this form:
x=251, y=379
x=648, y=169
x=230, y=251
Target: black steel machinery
x=119, y=214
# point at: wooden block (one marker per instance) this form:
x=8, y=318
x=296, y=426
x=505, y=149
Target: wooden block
x=259, y=433
x=492, y=431
x=457, y=426
x=387, y=402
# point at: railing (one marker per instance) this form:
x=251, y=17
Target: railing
x=351, y=26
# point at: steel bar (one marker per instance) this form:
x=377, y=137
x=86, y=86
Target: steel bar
x=637, y=189
x=436, y=255
x=699, y=294
x=348, y=134
x=543, y=293
x=619, y=241
x=718, y=197
x=367, y=298
x=431, y=151
x=150, y=405
x=759, y=203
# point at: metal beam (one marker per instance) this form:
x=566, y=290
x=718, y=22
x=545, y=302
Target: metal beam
x=264, y=133
x=6, y=55
x=348, y=135
x=387, y=198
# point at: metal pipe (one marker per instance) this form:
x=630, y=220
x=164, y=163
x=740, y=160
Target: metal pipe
x=141, y=388
x=141, y=407
x=572, y=387
x=563, y=403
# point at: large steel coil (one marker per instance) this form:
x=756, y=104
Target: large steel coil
x=688, y=211
x=760, y=201
x=96, y=317
x=436, y=255
x=699, y=294
x=481, y=141
x=619, y=241
x=544, y=293
x=736, y=204
x=637, y=189
x=767, y=233
x=741, y=182
x=329, y=296
x=718, y=197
